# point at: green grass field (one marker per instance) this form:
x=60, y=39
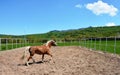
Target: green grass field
x=13, y=46
x=10, y=46
x=109, y=46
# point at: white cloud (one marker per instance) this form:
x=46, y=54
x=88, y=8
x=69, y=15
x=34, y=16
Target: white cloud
x=101, y=7
x=111, y=24
x=78, y=6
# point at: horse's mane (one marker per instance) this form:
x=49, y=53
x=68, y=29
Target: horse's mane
x=49, y=42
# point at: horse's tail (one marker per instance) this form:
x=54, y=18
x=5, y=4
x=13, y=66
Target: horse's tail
x=24, y=54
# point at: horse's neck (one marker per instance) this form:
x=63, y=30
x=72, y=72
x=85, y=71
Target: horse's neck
x=48, y=45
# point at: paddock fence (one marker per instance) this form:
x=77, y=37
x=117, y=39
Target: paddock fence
x=11, y=43
x=107, y=44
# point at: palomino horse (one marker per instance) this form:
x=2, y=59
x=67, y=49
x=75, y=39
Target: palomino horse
x=41, y=50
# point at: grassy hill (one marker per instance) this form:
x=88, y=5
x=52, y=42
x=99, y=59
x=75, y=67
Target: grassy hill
x=80, y=33
x=73, y=33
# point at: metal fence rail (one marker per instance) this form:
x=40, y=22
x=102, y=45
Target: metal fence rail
x=104, y=44
x=10, y=43
x=107, y=44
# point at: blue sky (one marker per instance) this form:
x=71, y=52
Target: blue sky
x=18, y=17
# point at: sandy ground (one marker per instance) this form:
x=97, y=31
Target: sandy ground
x=70, y=60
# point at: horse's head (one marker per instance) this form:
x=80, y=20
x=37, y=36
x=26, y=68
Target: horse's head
x=51, y=43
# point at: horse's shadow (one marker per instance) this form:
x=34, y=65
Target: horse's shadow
x=31, y=63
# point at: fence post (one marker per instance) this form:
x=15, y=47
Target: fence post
x=64, y=42
x=0, y=44
x=115, y=46
x=12, y=43
x=91, y=43
x=79, y=42
x=71, y=42
x=6, y=44
x=88, y=43
x=106, y=45
x=100, y=44
x=16, y=43
x=95, y=44
x=25, y=41
x=85, y=42
x=22, y=43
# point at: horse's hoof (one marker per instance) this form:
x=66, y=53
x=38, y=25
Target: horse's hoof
x=27, y=64
x=42, y=61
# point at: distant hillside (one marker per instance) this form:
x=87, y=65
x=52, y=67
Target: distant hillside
x=10, y=36
x=80, y=33
x=74, y=33
x=5, y=36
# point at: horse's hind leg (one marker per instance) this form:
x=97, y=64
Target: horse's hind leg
x=30, y=57
x=42, y=57
x=32, y=52
x=27, y=63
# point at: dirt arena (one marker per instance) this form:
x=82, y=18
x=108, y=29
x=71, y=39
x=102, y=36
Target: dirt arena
x=69, y=60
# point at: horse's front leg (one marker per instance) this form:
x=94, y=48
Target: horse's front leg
x=51, y=57
x=33, y=60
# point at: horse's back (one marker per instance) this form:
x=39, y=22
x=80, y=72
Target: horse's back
x=39, y=49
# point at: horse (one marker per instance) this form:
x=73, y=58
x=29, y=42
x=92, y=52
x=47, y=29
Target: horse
x=41, y=50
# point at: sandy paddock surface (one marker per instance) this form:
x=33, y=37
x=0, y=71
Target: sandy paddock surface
x=69, y=60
